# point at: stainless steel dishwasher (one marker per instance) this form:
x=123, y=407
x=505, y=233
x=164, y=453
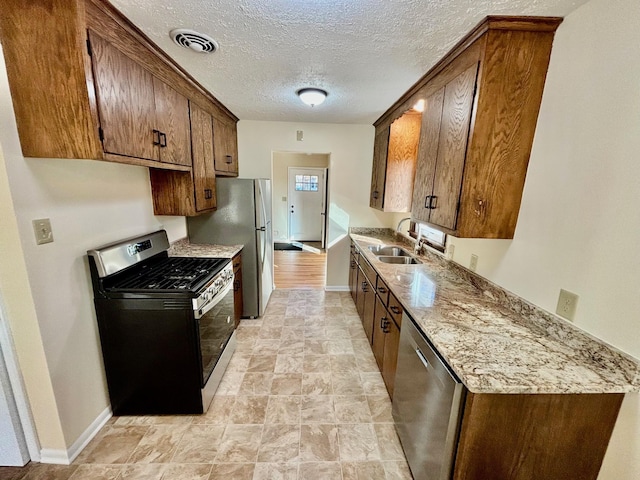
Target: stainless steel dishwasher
x=427, y=406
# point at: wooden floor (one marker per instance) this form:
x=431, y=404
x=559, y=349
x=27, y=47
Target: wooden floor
x=299, y=269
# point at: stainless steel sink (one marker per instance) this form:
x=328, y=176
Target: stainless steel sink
x=405, y=259
x=389, y=251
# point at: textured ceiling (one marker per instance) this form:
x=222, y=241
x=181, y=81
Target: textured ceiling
x=365, y=53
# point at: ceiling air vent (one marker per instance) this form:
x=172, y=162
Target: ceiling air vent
x=198, y=42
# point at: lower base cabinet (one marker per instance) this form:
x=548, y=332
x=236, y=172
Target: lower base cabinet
x=371, y=297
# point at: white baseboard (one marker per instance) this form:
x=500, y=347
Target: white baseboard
x=57, y=457
x=62, y=457
x=337, y=288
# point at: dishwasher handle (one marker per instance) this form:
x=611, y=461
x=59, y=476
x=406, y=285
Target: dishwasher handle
x=422, y=358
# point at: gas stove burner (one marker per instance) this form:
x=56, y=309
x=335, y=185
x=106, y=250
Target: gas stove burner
x=171, y=274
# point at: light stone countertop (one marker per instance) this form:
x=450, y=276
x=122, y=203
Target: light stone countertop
x=184, y=248
x=493, y=340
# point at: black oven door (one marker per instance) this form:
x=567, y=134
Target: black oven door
x=215, y=327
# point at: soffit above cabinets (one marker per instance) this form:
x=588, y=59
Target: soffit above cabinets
x=365, y=53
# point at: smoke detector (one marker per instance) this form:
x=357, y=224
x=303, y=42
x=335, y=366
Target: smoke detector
x=198, y=42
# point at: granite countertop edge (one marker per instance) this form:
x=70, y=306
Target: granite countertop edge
x=493, y=340
x=184, y=248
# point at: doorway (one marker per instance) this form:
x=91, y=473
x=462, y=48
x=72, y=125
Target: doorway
x=307, y=204
x=298, y=262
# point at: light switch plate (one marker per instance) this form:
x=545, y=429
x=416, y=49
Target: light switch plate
x=42, y=230
x=567, y=304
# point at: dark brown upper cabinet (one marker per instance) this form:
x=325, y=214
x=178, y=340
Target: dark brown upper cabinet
x=225, y=145
x=481, y=107
x=97, y=87
x=394, y=162
x=140, y=116
x=189, y=193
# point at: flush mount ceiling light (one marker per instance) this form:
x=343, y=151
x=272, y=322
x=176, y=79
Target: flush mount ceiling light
x=198, y=42
x=312, y=96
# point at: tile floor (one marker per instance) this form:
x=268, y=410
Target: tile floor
x=302, y=399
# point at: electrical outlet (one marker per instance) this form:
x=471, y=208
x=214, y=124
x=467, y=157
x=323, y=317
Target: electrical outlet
x=42, y=230
x=567, y=304
x=451, y=248
x=299, y=135
x=473, y=264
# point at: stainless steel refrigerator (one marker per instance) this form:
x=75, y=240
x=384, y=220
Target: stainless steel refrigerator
x=243, y=216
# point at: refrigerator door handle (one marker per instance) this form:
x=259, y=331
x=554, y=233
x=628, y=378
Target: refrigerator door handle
x=261, y=229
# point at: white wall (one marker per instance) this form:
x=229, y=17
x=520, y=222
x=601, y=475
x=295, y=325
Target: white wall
x=579, y=223
x=351, y=152
x=90, y=203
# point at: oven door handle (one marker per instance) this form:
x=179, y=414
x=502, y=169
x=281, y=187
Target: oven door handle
x=214, y=301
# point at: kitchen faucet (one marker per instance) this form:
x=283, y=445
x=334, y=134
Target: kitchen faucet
x=400, y=223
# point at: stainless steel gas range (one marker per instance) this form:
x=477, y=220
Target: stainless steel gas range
x=166, y=325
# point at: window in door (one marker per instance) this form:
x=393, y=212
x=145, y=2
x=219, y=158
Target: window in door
x=306, y=183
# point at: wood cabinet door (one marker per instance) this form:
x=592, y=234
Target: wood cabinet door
x=204, y=175
x=368, y=317
x=225, y=146
x=126, y=104
x=379, y=170
x=361, y=282
x=402, y=153
x=172, y=120
x=452, y=147
x=353, y=276
x=427, y=155
x=377, y=345
x=390, y=357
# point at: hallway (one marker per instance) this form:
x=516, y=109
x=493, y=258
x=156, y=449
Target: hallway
x=299, y=269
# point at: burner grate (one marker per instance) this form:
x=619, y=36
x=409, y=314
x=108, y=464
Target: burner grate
x=172, y=273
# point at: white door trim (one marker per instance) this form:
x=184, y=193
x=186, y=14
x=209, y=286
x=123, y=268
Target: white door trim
x=17, y=386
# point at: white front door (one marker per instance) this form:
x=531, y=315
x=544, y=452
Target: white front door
x=306, y=199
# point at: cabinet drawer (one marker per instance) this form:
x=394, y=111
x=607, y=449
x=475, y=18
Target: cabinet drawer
x=368, y=270
x=383, y=291
x=395, y=309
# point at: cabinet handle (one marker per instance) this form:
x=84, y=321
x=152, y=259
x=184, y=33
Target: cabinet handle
x=208, y=193
x=394, y=309
x=353, y=265
x=365, y=287
x=382, y=290
x=156, y=137
x=427, y=201
x=384, y=323
x=163, y=139
x=375, y=194
x=433, y=202
x=228, y=159
x=237, y=264
x=236, y=286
